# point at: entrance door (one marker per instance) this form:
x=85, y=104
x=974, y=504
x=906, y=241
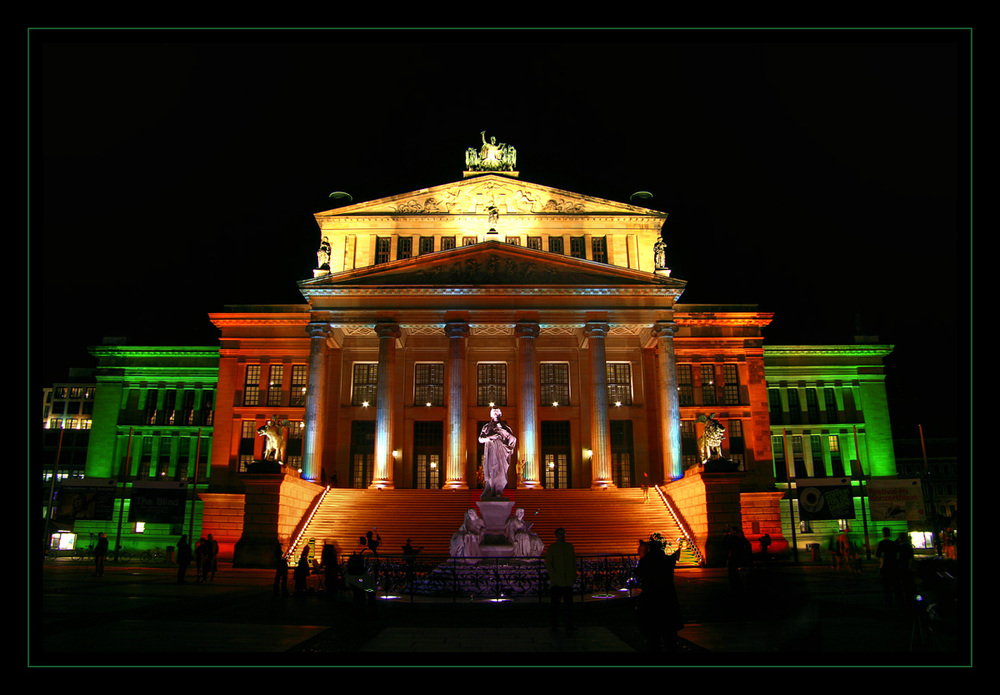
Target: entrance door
x=555, y=450
x=362, y=453
x=622, y=465
x=428, y=452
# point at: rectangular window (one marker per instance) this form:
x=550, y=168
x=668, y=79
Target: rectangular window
x=447, y=242
x=555, y=244
x=207, y=407
x=426, y=245
x=816, y=447
x=599, y=249
x=737, y=446
x=163, y=458
x=170, y=407
x=619, y=383
x=293, y=446
x=836, y=462
x=731, y=389
x=778, y=453
x=404, y=248
x=535, y=242
x=383, y=247
x=469, y=240
x=428, y=384
x=812, y=406
x=830, y=396
x=685, y=385
x=491, y=383
x=794, y=409
x=774, y=405
x=708, y=384
x=798, y=461
x=275, y=373
x=689, y=444
x=364, y=386
x=251, y=385
x=248, y=440
x=577, y=249
x=514, y=240
x=554, y=383
x=151, y=397
x=300, y=382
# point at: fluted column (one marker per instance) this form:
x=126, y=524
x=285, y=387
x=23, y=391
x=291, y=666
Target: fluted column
x=457, y=332
x=528, y=437
x=312, y=447
x=670, y=412
x=387, y=333
x=600, y=462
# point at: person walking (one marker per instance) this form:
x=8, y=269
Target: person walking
x=560, y=563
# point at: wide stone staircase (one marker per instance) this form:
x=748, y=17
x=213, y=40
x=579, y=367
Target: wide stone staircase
x=596, y=521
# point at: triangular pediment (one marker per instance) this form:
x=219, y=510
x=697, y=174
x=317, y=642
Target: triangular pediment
x=474, y=195
x=492, y=263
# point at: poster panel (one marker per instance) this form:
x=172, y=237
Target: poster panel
x=896, y=499
x=158, y=502
x=825, y=498
x=87, y=499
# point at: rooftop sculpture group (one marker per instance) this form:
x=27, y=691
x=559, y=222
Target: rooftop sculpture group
x=491, y=156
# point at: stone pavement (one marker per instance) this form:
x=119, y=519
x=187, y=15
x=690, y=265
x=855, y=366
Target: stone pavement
x=796, y=614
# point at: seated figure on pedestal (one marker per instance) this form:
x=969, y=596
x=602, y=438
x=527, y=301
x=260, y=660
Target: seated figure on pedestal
x=466, y=540
x=519, y=534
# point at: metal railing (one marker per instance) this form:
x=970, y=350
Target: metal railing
x=485, y=578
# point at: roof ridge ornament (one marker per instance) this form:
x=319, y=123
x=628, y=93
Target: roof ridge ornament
x=491, y=158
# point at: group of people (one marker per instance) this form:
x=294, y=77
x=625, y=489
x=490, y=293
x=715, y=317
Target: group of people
x=205, y=555
x=894, y=558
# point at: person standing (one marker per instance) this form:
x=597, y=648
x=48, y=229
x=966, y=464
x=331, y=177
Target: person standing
x=560, y=562
x=100, y=554
x=183, y=558
x=887, y=553
x=657, y=608
x=210, y=559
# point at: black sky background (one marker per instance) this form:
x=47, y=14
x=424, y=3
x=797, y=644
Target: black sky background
x=821, y=175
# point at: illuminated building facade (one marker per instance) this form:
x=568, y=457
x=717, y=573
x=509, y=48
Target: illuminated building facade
x=428, y=307
x=829, y=419
x=153, y=413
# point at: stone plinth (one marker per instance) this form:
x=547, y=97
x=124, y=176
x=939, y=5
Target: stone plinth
x=710, y=505
x=274, y=506
x=495, y=515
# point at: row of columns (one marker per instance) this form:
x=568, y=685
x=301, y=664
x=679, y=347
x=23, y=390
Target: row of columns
x=526, y=333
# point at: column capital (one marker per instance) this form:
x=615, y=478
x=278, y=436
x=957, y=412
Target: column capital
x=596, y=329
x=527, y=329
x=457, y=329
x=318, y=329
x=664, y=329
x=387, y=329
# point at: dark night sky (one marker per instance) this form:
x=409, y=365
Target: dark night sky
x=820, y=175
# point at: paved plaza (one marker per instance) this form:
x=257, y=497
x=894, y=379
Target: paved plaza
x=782, y=614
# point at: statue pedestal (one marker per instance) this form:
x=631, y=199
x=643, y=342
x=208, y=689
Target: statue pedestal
x=495, y=515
